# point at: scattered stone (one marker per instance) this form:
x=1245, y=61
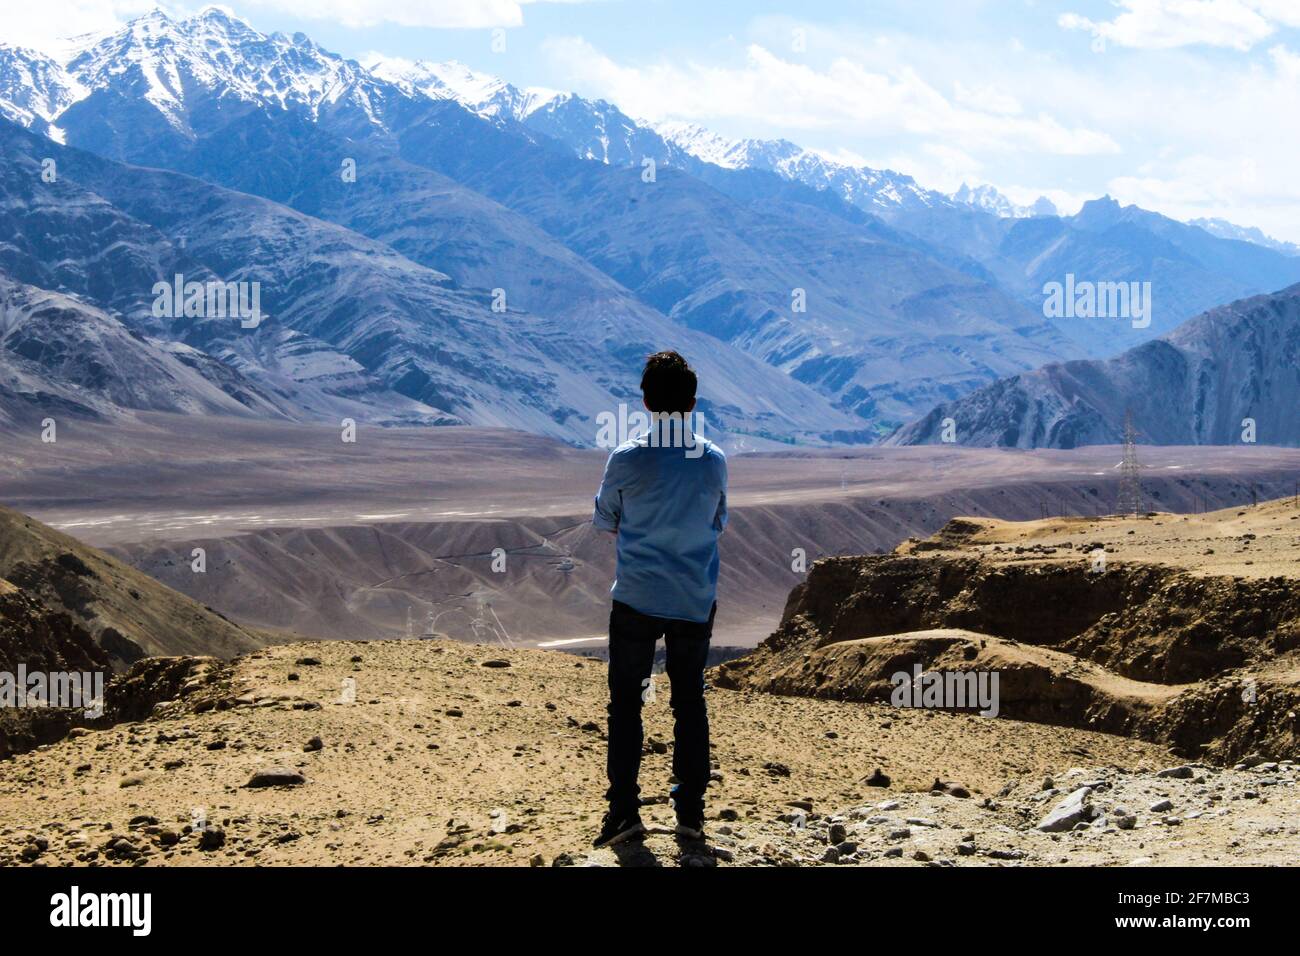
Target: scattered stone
x=1006, y=854
x=276, y=777
x=1070, y=811
x=956, y=790
x=877, y=779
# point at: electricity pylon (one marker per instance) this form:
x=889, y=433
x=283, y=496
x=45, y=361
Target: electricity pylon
x=1131, y=501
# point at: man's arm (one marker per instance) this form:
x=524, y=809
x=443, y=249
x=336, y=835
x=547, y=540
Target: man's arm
x=609, y=500
x=720, y=519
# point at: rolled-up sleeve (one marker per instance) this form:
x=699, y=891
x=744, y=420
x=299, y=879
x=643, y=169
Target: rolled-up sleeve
x=609, y=500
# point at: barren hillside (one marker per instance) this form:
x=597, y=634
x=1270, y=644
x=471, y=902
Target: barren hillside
x=1181, y=629
x=126, y=612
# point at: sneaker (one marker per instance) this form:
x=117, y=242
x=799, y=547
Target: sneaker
x=690, y=825
x=690, y=818
x=617, y=828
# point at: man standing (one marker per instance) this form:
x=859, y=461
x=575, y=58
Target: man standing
x=665, y=496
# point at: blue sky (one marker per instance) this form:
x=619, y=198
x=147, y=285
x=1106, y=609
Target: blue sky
x=1185, y=106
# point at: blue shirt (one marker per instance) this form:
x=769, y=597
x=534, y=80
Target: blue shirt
x=668, y=509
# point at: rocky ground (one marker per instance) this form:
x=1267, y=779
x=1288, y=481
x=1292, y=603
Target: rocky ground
x=1180, y=630
x=1247, y=542
x=442, y=753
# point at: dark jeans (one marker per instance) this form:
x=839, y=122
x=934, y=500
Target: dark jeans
x=632, y=638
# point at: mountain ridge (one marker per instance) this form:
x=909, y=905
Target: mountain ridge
x=915, y=298
x=1229, y=374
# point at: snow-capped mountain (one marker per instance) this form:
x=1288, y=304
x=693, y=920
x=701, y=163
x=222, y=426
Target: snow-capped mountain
x=598, y=130
x=482, y=93
x=819, y=298
x=35, y=88
x=874, y=190
x=988, y=199
x=195, y=70
x=493, y=202
x=1227, y=230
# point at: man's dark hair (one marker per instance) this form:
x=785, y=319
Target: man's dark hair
x=668, y=383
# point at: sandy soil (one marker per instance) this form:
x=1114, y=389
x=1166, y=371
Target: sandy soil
x=445, y=759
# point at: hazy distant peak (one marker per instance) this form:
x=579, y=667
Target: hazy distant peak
x=988, y=199
x=1227, y=230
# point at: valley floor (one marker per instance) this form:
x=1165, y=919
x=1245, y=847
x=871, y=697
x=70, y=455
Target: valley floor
x=472, y=755
x=397, y=535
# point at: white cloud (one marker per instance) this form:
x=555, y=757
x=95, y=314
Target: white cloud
x=44, y=25
x=1227, y=149
x=442, y=14
x=771, y=90
x=939, y=166
x=987, y=98
x=1165, y=24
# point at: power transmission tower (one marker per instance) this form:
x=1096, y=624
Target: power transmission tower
x=1130, y=480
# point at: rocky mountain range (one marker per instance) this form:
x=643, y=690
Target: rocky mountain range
x=976, y=229
x=436, y=246
x=353, y=327
x=1227, y=377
